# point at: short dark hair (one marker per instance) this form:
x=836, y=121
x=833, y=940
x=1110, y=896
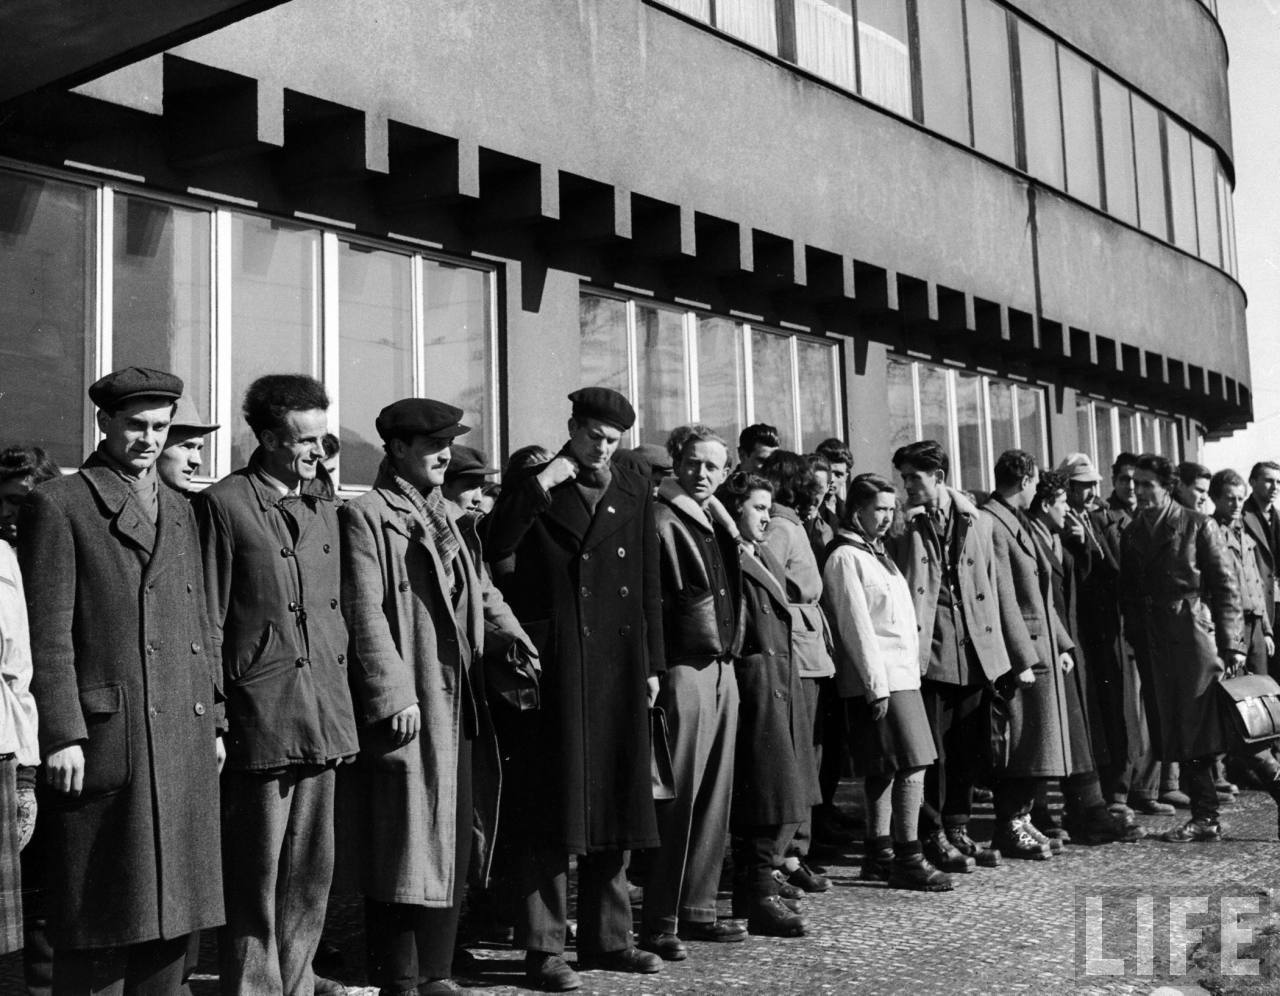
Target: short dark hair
x=331, y=444
x=1012, y=466
x=694, y=432
x=738, y=487
x=1262, y=465
x=20, y=462
x=924, y=454
x=1125, y=459
x=1223, y=479
x=835, y=451
x=863, y=489
x=794, y=482
x=1189, y=472
x=269, y=399
x=1166, y=473
x=1051, y=484
x=762, y=433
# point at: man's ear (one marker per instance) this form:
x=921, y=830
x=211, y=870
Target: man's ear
x=268, y=440
x=103, y=418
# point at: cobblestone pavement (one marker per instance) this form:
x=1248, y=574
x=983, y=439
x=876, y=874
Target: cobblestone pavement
x=1015, y=929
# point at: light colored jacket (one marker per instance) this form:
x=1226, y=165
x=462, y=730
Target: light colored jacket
x=788, y=541
x=874, y=621
x=18, y=728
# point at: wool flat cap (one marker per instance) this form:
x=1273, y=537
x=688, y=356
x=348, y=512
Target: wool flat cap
x=656, y=456
x=419, y=417
x=467, y=462
x=1078, y=467
x=187, y=423
x=605, y=405
x=119, y=386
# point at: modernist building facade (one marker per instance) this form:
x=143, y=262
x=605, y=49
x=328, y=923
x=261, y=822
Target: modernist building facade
x=990, y=222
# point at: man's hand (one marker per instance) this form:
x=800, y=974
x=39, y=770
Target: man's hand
x=1234, y=661
x=653, y=690
x=64, y=770
x=558, y=471
x=219, y=752
x=1074, y=527
x=1027, y=677
x=879, y=709
x=1271, y=646
x=1066, y=662
x=405, y=725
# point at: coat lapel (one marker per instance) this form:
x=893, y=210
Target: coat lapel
x=126, y=517
x=757, y=568
x=1257, y=526
x=617, y=506
x=171, y=526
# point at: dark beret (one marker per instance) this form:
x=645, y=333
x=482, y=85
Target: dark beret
x=411, y=417
x=605, y=405
x=120, y=386
x=467, y=462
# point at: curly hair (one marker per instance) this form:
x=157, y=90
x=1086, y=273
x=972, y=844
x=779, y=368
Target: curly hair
x=696, y=432
x=734, y=492
x=1163, y=468
x=1012, y=466
x=20, y=462
x=269, y=399
x=1051, y=484
x=795, y=485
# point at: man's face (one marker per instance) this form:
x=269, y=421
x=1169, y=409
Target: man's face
x=839, y=484
x=1194, y=496
x=1122, y=484
x=1028, y=489
x=292, y=454
x=1055, y=513
x=422, y=461
x=753, y=461
x=1265, y=486
x=13, y=495
x=824, y=482
x=1148, y=489
x=180, y=462
x=465, y=492
x=922, y=486
x=701, y=469
x=136, y=433
x=753, y=517
x=1081, y=493
x=1229, y=504
x=592, y=442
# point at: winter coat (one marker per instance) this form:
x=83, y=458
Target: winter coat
x=1260, y=525
x=122, y=665
x=585, y=586
x=1182, y=612
x=810, y=636
x=408, y=647
x=18, y=720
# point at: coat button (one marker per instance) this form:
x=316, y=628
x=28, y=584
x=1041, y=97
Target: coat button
x=333, y=603
x=722, y=593
x=706, y=539
x=150, y=650
x=988, y=629
x=189, y=588
x=196, y=648
x=924, y=560
x=404, y=585
x=586, y=556
x=970, y=561
x=622, y=551
x=586, y=630
x=326, y=548
x=919, y=591
x=293, y=606
x=624, y=591
x=584, y=591
x=302, y=662
x=981, y=596
x=199, y=708
x=342, y=659
x=286, y=552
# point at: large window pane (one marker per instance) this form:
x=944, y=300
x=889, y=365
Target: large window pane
x=457, y=345
x=1146, y=136
x=1172, y=444
x=754, y=21
x=824, y=39
x=375, y=346
x=603, y=359
x=662, y=371
x=819, y=418
x=970, y=462
x=1080, y=127
x=1181, y=186
x=1041, y=112
x=945, y=88
x=46, y=262
x=1003, y=420
x=1226, y=223
x=1031, y=423
x=771, y=384
x=1084, y=427
x=902, y=404
x=1106, y=453
x=275, y=309
x=934, y=416
x=1117, y=149
x=161, y=312
x=1205, y=162
x=992, y=91
x=884, y=54
x=721, y=402
x=1130, y=431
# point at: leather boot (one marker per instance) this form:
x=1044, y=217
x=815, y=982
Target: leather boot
x=912, y=871
x=985, y=856
x=940, y=853
x=877, y=862
x=770, y=918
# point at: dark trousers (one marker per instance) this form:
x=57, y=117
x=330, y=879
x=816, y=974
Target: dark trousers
x=604, y=904
x=153, y=968
x=409, y=945
x=1255, y=645
x=757, y=851
x=1015, y=797
x=831, y=732
x=811, y=688
x=1197, y=778
x=960, y=718
x=277, y=864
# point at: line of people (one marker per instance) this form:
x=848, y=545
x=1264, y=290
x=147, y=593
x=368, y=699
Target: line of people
x=631, y=658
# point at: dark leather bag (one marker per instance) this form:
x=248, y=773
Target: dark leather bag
x=1253, y=702
x=664, y=779
x=512, y=675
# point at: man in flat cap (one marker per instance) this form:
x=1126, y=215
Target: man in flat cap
x=127, y=692
x=585, y=585
x=183, y=454
x=464, y=478
x=272, y=566
x=418, y=610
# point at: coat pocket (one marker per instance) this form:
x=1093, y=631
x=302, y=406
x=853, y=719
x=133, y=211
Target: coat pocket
x=691, y=631
x=249, y=658
x=108, y=766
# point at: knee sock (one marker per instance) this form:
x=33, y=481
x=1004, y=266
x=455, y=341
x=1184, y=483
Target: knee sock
x=879, y=805
x=908, y=795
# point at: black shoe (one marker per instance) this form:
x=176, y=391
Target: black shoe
x=1150, y=807
x=549, y=973
x=1013, y=840
x=983, y=855
x=940, y=853
x=877, y=864
x=787, y=891
x=913, y=872
x=805, y=878
x=442, y=987
x=465, y=963
x=625, y=960
x=770, y=918
x=1043, y=839
x=1194, y=832
x=666, y=946
x=1106, y=827
x=717, y=931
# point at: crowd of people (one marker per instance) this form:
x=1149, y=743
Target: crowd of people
x=656, y=661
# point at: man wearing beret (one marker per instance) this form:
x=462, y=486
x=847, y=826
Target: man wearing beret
x=127, y=692
x=418, y=610
x=585, y=585
x=272, y=567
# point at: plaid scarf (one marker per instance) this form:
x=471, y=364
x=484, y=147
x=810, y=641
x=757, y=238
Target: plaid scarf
x=430, y=508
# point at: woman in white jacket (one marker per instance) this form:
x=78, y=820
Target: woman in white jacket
x=878, y=666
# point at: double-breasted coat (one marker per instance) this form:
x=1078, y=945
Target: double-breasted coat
x=585, y=585
x=1260, y=524
x=409, y=647
x=1182, y=614
x=122, y=666
x=1036, y=740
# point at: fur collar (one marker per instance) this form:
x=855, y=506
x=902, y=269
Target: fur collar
x=705, y=516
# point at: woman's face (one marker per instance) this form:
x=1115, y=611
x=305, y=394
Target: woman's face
x=876, y=515
x=753, y=517
x=13, y=494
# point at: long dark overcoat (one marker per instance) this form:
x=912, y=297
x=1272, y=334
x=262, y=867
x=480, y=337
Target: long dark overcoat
x=586, y=588
x=120, y=647
x=1181, y=612
x=775, y=771
x=1037, y=739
